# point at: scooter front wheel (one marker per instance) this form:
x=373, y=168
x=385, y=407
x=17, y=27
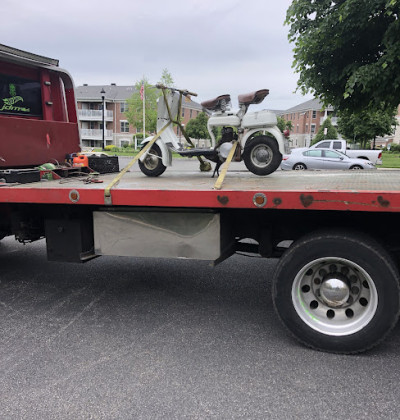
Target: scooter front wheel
x=261, y=155
x=152, y=164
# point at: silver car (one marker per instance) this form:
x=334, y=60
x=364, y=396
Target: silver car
x=301, y=159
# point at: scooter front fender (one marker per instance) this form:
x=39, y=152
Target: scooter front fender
x=166, y=154
x=274, y=131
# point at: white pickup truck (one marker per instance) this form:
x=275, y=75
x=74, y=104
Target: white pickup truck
x=375, y=156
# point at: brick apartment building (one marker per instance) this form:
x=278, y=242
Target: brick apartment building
x=307, y=118
x=117, y=130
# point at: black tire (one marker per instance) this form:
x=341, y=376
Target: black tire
x=261, y=155
x=314, y=278
x=299, y=167
x=356, y=167
x=152, y=165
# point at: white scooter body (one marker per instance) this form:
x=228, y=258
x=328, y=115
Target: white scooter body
x=246, y=125
x=253, y=121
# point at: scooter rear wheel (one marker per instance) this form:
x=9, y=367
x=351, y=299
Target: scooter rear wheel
x=261, y=155
x=152, y=164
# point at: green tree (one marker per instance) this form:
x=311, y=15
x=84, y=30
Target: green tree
x=166, y=78
x=347, y=52
x=331, y=132
x=197, y=127
x=134, y=115
x=284, y=125
x=363, y=126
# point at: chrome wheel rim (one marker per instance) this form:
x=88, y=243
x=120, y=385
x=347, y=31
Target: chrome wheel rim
x=299, y=168
x=334, y=296
x=261, y=155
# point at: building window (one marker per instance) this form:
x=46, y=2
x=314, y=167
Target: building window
x=183, y=112
x=312, y=128
x=123, y=107
x=124, y=127
x=190, y=114
x=314, y=114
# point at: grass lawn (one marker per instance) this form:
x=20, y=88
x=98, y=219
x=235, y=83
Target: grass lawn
x=390, y=160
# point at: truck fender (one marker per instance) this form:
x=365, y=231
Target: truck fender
x=274, y=131
x=165, y=151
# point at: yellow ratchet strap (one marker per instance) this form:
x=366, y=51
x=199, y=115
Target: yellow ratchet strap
x=114, y=182
x=220, y=180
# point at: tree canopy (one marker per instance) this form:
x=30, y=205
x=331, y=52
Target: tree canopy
x=197, y=127
x=134, y=114
x=347, y=52
x=331, y=132
x=366, y=125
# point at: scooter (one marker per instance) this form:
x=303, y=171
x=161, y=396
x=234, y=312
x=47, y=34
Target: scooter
x=261, y=143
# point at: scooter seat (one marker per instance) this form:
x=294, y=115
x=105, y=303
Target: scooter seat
x=217, y=103
x=253, y=97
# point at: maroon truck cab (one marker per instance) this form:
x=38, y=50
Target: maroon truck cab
x=38, y=116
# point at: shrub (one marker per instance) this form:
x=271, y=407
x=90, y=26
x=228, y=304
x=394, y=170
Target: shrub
x=394, y=147
x=139, y=136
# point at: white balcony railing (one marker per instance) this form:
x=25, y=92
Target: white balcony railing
x=90, y=134
x=95, y=115
x=333, y=120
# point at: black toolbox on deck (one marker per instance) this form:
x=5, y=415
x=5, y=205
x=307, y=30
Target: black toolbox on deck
x=103, y=164
x=22, y=176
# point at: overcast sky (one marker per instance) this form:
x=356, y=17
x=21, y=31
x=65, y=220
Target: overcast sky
x=211, y=47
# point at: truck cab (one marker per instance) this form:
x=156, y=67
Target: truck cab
x=38, y=117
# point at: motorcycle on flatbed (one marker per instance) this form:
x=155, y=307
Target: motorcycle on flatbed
x=260, y=143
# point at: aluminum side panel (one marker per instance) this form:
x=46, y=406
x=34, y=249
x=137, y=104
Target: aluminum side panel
x=158, y=234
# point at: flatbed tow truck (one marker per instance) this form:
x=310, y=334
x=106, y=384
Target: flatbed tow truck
x=336, y=286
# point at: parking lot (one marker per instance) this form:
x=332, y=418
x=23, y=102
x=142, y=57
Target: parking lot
x=144, y=338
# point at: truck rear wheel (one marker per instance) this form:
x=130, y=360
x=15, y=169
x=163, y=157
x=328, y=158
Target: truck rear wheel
x=261, y=155
x=152, y=164
x=337, y=291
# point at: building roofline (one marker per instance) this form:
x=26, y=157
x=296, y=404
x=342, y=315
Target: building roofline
x=310, y=105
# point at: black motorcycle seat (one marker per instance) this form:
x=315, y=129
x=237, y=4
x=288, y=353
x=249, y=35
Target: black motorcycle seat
x=253, y=97
x=214, y=104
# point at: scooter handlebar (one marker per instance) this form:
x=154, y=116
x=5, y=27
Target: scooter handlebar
x=184, y=92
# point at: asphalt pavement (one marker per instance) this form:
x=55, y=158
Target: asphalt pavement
x=130, y=338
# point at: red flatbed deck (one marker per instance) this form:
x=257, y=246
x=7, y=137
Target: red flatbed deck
x=376, y=191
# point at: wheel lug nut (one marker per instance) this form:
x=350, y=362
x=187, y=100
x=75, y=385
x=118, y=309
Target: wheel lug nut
x=353, y=279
